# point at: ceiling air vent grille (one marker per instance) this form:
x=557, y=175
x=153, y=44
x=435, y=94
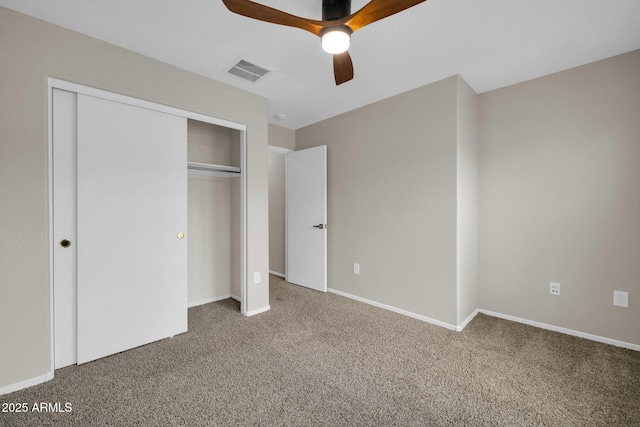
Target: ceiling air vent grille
x=247, y=70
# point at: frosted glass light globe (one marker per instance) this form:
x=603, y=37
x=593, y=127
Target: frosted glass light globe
x=336, y=41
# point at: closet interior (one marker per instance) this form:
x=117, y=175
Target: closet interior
x=147, y=219
x=214, y=212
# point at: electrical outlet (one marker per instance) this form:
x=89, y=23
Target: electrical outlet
x=356, y=268
x=621, y=298
x=256, y=277
x=554, y=288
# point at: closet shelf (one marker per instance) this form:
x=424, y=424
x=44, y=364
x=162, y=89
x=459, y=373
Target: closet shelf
x=213, y=170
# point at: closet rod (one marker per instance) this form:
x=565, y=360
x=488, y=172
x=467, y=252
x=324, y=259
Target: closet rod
x=212, y=167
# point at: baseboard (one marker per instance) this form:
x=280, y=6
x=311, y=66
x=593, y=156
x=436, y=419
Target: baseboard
x=394, y=309
x=458, y=328
x=258, y=311
x=567, y=331
x=275, y=273
x=461, y=326
x=26, y=383
x=208, y=300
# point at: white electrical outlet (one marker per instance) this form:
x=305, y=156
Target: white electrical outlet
x=356, y=268
x=256, y=277
x=554, y=288
x=621, y=298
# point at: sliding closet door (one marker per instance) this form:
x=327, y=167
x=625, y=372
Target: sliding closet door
x=132, y=211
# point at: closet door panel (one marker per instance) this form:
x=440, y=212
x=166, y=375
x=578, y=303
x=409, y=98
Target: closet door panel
x=132, y=203
x=64, y=226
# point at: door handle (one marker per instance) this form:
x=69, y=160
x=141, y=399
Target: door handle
x=65, y=243
x=320, y=226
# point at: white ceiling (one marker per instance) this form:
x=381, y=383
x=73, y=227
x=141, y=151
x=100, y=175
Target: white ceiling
x=490, y=43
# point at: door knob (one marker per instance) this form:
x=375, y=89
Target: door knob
x=180, y=235
x=65, y=243
x=320, y=226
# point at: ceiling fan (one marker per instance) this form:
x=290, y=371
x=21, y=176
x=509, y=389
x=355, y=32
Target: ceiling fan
x=336, y=27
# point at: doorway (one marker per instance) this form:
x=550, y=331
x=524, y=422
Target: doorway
x=118, y=258
x=298, y=216
x=277, y=211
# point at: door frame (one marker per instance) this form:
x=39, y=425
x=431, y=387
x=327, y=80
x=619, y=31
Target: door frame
x=283, y=151
x=53, y=83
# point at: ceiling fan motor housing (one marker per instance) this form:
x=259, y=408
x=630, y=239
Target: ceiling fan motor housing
x=335, y=9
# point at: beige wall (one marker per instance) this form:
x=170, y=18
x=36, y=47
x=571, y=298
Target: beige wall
x=209, y=143
x=30, y=51
x=467, y=205
x=209, y=237
x=283, y=138
x=277, y=212
x=559, y=198
x=392, y=199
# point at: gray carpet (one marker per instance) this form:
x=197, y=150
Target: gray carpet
x=321, y=359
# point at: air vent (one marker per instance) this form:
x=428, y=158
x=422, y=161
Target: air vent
x=247, y=70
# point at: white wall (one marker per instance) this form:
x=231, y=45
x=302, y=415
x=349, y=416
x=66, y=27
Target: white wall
x=392, y=203
x=30, y=51
x=467, y=204
x=209, y=238
x=277, y=162
x=282, y=138
x=559, y=198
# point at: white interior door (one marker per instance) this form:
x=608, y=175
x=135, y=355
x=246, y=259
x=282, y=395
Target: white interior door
x=131, y=207
x=307, y=218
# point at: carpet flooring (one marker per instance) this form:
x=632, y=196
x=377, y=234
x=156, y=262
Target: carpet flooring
x=324, y=360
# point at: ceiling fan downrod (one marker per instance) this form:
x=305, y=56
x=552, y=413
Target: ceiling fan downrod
x=335, y=9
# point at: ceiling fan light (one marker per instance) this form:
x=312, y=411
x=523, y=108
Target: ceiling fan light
x=336, y=41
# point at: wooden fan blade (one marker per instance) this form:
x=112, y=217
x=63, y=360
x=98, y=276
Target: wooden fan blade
x=342, y=67
x=265, y=13
x=376, y=10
